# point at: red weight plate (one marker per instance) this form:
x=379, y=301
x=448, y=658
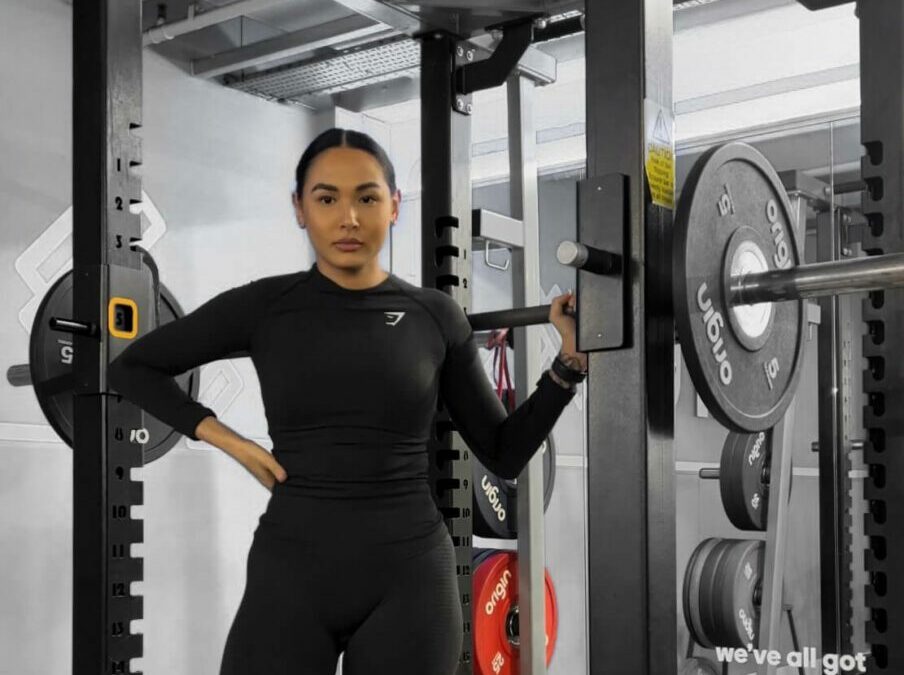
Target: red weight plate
x=495, y=612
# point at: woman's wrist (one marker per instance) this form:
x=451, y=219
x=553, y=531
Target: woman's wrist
x=571, y=360
x=559, y=381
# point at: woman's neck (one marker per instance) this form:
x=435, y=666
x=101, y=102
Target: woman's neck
x=353, y=279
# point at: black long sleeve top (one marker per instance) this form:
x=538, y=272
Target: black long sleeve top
x=350, y=381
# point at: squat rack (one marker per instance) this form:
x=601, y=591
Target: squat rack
x=631, y=596
x=632, y=620
x=623, y=629
x=107, y=76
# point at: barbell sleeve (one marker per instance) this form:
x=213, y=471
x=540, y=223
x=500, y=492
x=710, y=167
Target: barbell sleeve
x=19, y=375
x=819, y=279
x=581, y=256
x=73, y=326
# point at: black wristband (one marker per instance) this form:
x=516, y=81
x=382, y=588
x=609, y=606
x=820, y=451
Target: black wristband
x=565, y=373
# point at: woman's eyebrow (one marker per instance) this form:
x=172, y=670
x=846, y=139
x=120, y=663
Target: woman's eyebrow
x=333, y=188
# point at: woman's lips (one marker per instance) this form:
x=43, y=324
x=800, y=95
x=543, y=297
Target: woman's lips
x=348, y=246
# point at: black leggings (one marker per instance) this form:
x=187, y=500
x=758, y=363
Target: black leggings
x=304, y=604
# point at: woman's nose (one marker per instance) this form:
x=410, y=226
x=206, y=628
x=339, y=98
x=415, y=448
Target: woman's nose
x=350, y=217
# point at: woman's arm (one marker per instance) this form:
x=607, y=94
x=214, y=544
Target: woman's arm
x=145, y=371
x=504, y=443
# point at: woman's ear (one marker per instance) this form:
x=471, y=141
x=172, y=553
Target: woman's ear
x=396, y=201
x=299, y=213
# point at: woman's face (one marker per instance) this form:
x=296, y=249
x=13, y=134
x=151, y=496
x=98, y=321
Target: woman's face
x=346, y=197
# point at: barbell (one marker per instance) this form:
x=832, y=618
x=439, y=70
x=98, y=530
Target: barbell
x=738, y=282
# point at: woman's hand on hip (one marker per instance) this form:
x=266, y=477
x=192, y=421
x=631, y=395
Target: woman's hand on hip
x=261, y=464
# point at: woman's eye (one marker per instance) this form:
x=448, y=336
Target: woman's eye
x=324, y=197
x=371, y=198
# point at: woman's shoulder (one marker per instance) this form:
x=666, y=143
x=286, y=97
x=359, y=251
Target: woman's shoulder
x=446, y=312
x=260, y=292
x=276, y=283
x=437, y=301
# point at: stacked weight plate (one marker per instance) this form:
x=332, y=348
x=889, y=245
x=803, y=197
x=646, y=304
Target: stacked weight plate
x=734, y=222
x=721, y=594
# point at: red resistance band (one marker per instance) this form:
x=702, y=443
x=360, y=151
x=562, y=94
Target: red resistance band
x=505, y=390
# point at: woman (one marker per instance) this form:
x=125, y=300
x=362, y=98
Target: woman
x=351, y=553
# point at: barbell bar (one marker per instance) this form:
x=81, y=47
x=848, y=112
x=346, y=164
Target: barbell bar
x=512, y=318
x=819, y=279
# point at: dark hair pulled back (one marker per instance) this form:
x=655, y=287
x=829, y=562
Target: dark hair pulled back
x=348, y=138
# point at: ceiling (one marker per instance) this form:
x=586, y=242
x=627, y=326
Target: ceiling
x=356, y=54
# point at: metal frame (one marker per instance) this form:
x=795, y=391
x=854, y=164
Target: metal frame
x=834, y=458
x=391, y=58
x=630, y=484
x=332, y=34
x=772, y=604
x=496, y=227
x=107, y=80
x=882, y=170
x=400, y=18
x=882, y=134
x=446, y=241
x=445, y=245
x=523, y=190
x=834, y=423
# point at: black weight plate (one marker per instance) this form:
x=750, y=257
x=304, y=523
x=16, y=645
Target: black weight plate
x=496, y=499
x=737, y=615
x=710, y=592
x=698, y=666
x=742, y=479
x=734, y=217
x=690, y=595
x=50, y=364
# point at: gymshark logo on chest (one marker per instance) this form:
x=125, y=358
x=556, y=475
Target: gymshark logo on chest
x=392, y=318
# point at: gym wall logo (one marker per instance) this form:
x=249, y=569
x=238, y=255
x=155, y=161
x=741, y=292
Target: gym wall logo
x=50, y=256
x=392, y=318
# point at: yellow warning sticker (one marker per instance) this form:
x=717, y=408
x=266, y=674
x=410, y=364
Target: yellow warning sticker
x=659, y=153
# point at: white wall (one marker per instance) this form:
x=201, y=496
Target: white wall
x=774, y=66
x=219, y=170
